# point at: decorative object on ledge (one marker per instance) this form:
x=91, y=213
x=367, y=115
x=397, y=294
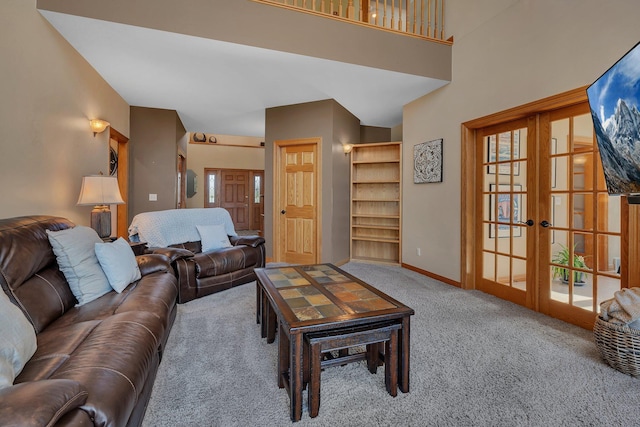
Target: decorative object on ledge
x=203, y=138
x=98, y=126
x=347, y=148
x=427, y=162
x=100, y=191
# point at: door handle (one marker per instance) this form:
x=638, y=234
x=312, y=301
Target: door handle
x=529, y=222
x=283, y=212
x=545, y=223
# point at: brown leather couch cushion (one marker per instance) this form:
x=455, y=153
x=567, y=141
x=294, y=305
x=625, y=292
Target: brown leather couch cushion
x=226, y=260
x=40, y=403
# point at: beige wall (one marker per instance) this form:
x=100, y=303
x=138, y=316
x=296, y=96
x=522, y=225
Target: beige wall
x=506, y=53
x=223, y=156
x=48, y=94
x=336, y=126
x=157, y=137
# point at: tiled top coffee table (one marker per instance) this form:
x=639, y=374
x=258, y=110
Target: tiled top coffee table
x=314, y=298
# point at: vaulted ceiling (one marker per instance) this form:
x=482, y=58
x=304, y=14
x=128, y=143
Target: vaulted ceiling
x=222, y=87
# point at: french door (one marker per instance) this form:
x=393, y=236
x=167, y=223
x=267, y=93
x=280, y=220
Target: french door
x=548, y=236
x=507, y=218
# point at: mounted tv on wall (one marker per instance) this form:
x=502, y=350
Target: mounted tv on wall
x=614, y=99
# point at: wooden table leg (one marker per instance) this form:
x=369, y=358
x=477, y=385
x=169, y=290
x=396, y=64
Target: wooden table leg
x=295, y=375
x=372, y=357
x=315, y=362
x=391, y=364
x=283, y=355
x=264, y=304
x=403, y=355
x=258, y=302
x=271, y=323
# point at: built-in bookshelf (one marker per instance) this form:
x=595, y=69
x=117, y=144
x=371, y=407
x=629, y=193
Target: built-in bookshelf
x=376, y=200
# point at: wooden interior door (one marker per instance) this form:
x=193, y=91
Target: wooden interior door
x=296, y=228
x=234, y=196
x=505, y=218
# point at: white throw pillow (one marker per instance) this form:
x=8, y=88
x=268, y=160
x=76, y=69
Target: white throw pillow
x=118, y=263
x=76, y=256
x=17, y=341
x=213, y=237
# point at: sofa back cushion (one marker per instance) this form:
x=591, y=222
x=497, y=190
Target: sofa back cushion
x=161, y=229
x=28, y=270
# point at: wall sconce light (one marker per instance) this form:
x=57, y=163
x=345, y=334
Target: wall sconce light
x=347, y=148
x=100, y=191
x=98, y=126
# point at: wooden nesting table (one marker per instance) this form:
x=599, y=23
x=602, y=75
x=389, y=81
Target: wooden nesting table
x=307, y=301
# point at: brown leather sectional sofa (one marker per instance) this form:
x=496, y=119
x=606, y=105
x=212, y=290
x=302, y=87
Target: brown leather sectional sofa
x=176, y=233
x=203, y=273
x=95, y=364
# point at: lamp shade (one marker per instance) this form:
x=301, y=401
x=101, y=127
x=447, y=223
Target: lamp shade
x=99, y=190
x=98, y=125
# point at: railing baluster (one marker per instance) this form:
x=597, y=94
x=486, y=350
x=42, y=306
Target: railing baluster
x=393, y=13
x=429, y=19
x=384, y=14
x=435, y=20
x=415, y=2
x=442, y=23
x=350, y=10
x=421, y=18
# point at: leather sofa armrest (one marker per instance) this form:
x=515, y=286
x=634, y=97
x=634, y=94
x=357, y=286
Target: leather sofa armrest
x=153, y=263
x=39, y=403
x=253, y=241
x=187, y=271
x=172, y=253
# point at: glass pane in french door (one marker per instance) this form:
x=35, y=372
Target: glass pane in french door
x=584, y=262
x=504, y=213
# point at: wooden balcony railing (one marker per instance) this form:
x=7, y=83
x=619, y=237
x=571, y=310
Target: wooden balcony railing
x=420, y=18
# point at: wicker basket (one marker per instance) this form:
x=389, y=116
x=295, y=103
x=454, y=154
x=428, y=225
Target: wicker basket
x=619, y=346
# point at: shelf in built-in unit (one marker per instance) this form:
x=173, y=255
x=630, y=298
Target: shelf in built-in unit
x=376, y=227
x=365, y=162
x=382, y=181
x=374, y=200
x=376, y=239
x=361, y=215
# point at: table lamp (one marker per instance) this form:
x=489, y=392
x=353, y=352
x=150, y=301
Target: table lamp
x=100, y=191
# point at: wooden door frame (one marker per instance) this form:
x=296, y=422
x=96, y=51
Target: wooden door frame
x=278, y=246
x=122, y=211
x=468, y=207
x=251, y=174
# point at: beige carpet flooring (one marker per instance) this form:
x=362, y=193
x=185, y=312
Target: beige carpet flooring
x=475, y=361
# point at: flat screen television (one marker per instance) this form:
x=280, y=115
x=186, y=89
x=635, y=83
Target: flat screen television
x=614, y=99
